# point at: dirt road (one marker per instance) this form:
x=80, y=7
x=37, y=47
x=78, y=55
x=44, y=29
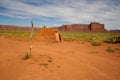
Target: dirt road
x=58, y=61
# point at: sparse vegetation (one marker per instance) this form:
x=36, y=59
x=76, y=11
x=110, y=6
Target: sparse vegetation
x=26, y=56
x=55, y=58
x=11, y=33
x=88, y=36
x=113, y=40
x=95, y=44
x=110, y=50
x=67, y=36
x=117, y=48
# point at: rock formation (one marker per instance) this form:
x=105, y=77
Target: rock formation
x=93, y=27
x=13, y=27
x=97, y=27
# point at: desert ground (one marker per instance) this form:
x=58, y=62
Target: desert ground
x=74, y=60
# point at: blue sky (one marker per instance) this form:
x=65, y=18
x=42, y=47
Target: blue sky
x=58, y=12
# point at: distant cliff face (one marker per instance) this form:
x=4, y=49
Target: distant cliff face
x=21, y=28
x=97, y=27
x=93, y=27
x=74, y=27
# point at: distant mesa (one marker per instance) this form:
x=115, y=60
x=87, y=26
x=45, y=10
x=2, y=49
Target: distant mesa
x=92, y=27
x=114, y=30
x=13, y=27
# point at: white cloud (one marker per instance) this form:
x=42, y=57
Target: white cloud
x=74, y=11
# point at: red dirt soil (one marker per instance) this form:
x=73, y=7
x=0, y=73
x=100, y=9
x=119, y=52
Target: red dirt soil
x=58, y=61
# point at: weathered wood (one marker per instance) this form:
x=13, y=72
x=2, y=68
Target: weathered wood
x=31, y=36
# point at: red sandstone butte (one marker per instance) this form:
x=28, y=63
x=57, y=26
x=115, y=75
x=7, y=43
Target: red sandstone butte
x=97, y=27
x=92, y=27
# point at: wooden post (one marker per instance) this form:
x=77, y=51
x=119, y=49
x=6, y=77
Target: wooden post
x=31, y=35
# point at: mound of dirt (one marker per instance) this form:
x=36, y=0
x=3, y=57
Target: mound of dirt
x=45, y=34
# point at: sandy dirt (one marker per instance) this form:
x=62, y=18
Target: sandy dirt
x=74, y=60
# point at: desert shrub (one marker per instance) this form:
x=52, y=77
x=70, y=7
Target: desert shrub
x=117, y=48
x=113, y=40
x=26, y=56
x=110, y=50
x=95, y=43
